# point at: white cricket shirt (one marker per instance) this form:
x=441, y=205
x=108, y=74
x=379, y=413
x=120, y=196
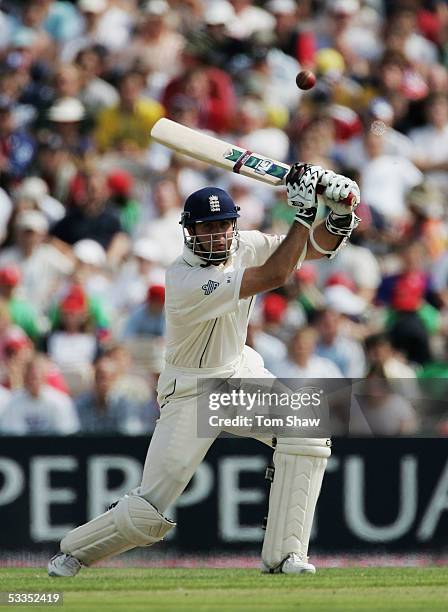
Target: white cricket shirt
x=206, y=321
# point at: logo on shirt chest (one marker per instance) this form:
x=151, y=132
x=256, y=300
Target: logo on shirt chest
x=209, y=287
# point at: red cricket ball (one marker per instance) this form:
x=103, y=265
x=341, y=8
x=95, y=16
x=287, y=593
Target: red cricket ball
x=305, y=79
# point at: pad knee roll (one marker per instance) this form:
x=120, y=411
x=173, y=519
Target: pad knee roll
x=132, y=522
x=299, y=469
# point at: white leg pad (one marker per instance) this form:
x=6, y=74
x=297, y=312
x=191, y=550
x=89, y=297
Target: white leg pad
x=299, y=469
x=132, y=522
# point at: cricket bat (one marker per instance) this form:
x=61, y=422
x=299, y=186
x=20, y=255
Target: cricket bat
x=220, y=153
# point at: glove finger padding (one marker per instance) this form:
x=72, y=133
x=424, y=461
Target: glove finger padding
x=327, y=177
x=337, y=190
x=301, y=185
x=295, y=173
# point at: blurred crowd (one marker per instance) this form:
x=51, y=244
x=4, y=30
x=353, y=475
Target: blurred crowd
x=90, y=207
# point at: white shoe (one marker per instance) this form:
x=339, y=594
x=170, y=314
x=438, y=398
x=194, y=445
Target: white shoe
x=293, y=564
x=63, y=566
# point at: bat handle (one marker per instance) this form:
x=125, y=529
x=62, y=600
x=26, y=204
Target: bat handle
x=350, y=199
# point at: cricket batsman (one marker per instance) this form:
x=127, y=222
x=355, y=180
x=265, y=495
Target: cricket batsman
x=210, y=293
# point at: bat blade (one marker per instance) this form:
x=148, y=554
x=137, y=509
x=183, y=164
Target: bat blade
x=220, y=153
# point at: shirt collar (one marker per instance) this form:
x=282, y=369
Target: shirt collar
x=194, y=260
x=191, y=258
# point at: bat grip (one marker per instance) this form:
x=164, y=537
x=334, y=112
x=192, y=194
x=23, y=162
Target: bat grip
x=350, y=199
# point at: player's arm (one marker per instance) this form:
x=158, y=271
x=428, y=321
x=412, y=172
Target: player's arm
x=322, y=240
x=301, y=187
x=278, y=267
x=329, y=236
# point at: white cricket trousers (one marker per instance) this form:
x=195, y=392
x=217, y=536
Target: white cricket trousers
x=176, y=450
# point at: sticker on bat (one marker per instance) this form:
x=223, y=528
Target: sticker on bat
x=260, y=165
x=264, y=166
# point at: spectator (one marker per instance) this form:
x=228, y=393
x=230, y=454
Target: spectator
x=16, y=146
x=67, y=81
x=221, y=48
x=268, y=346
x=72, y=344
x=62, y=21
x=96, y=93
x=280, y=316
x=249, y=201
x=42, y=266
x=270, y=77
x=380, y=118
x=395, y=174
x=54, y=164
x=249, y=19
x=17, y=352
x=342, y=29
x=291, y=36
x=305, y=291
x=143, y=269
x=273, y=313
x=210, y=87
x=341, y=299
x=425, y=203
x=92, y=218
x=148, y=319
x=163, y=231
x=155, y=44
x=22, y=312
x=377, y=411
x=103, y=412
x=382, y=357
x=17, y=349
x=66, y=116
x=127, y=125
x=33, y=194
x=134, y=386
x=38, y=408
x=407, y=38
x=128, y=208
x=90, y=271
x=254, y=133
x=346, y=354
x=303, y=362
x=314, y=140
x=358, y=265
x=411, y=319
x=431, y=141
x=104, y=24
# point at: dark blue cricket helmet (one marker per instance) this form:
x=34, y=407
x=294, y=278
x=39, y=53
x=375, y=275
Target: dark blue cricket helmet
x=209, y=204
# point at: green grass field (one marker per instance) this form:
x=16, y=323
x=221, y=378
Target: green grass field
x=331, y=590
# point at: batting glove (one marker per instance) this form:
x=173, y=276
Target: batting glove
x=337, y=189
x=301, y=188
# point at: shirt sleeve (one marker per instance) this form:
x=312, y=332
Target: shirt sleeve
x=203, y=294
x=264, y=245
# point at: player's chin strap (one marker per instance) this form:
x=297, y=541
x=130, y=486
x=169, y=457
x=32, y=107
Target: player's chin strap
x=299, y=466
x=338, y=225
